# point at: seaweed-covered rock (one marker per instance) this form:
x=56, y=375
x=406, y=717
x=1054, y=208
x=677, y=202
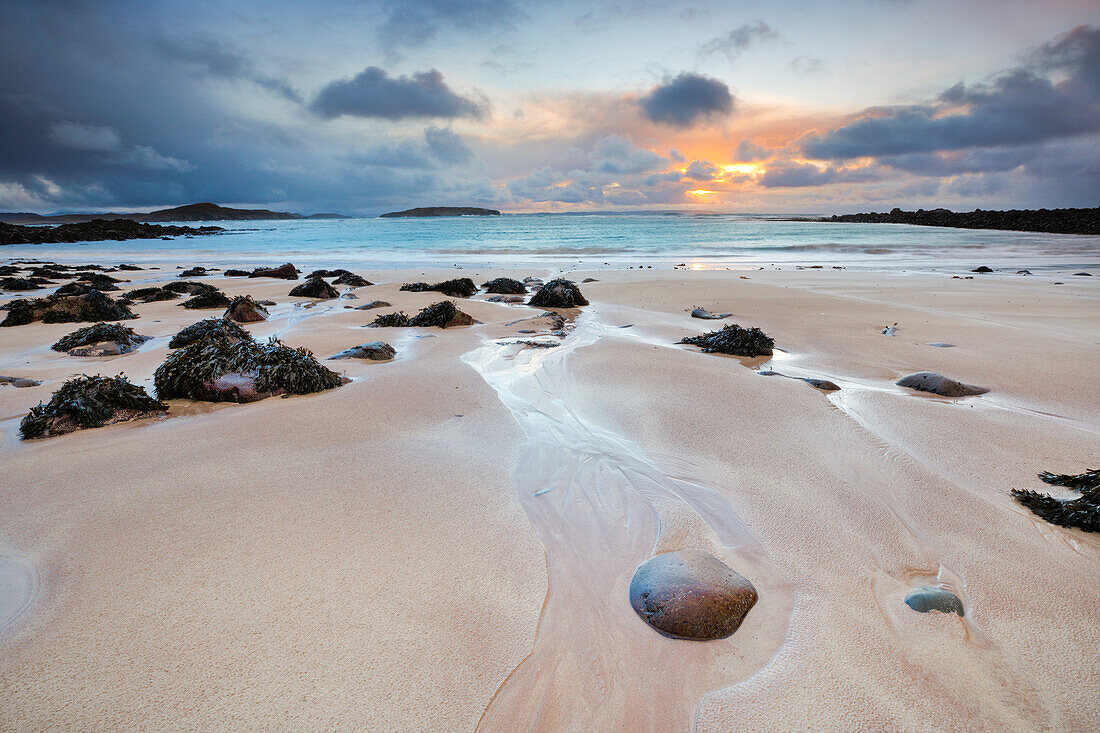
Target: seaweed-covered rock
x=505, y=286
x=76, y=289
x=443, y=314
x=9, y=270
x=91, y=306
x=390, y=320
x=372, y=305
x=1082, y=512
x=109, y=339
x=244, y=309
x=283, y=272
x=231, y=272
x=314, y=287
x=733, y=339
x=99, y=281
x=374, y=351
x=352, y=280
x=688, y=594
x=209, y=328
x=504, y=299
x=198, y=271
x=218, y=369
x=16, y=284
x=939, y=384
x=207, y=299
x=188, y=287
x=983, y=269
x=933, y=598
x=559, y=293
x=126, y=267
x=462, y=287
x=89, y=402
x=149, y=295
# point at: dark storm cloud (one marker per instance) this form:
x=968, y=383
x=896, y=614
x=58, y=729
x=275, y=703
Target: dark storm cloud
x=374, y=93
x=217, y=59
x=1021, y=106
x=800, y=175
x=686, y=100
x=735, y=42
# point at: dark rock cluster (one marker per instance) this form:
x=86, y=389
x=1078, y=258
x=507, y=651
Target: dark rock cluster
x=733, y=339
x=314, y=287
x=1054, y=221
x=559, y=293
x=97, y=230
x=123, y=339
x=90, y=306
x=462, y=287
x=89, y=402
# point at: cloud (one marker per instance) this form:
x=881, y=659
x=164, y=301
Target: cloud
x=789, y=174
x=85, y=137
x=686, y=100
x=447, y=146
x=415, y=22
x=806, y=64
x=617, y=154
x=747, y=151
x=217, y=59
x=374, y=93
x=146, y=157
x=701, y=170
x=740, y=39
x=1018, y=107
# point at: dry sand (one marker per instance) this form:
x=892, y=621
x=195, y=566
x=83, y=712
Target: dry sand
x=448, y=539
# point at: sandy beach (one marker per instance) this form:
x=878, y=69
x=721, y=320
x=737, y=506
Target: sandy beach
x=445, y=542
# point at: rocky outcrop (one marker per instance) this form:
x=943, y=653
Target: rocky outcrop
x=441, y=211
x=92, y=306
x=1057, y=221
x=282, y=272
x=212, y=298
x=559, y=293
x=939, y=384
x=505, y=286
x=462, y=287
x=16, y=284
x=688, y=594
x=97, y=230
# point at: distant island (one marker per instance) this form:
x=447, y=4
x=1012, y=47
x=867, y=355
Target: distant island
x=1052, y=221
x=441, y=211
x=191, y=212
x=97, y=230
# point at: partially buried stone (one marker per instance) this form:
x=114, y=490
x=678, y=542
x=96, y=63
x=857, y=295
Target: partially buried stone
x=688, y=594
x=933, y=598
x=372, y=305
x=823, y=384
x=373, y=350
x=939, y=384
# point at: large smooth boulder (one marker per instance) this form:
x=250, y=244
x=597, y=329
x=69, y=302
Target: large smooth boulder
x=372, y=350
x=243, y=309
x=688, y=594
x=939, y=384
x=283, y=272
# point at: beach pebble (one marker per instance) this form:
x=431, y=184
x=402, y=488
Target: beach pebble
x=939, y=384
x=688, y=594
x=373, y=350
x=933, y=598
x=589, y=280
x=941, y=345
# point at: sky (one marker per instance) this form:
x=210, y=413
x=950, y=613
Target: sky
x=362, y=106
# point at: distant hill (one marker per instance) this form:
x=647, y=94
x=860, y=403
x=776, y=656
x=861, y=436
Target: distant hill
x=442, y=211
x=190, y=212
x=1052, y=221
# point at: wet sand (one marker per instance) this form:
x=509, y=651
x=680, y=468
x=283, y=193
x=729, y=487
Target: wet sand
x=446, y=542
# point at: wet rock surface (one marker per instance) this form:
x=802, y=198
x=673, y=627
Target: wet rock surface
x=940, y=385
x=282, y=272
x=315, y=287
x=372, y=350
x=688, y=594
x=243, y=309
x=933, y=598
x=705, y=314
x=19, y=381
x=374, y=304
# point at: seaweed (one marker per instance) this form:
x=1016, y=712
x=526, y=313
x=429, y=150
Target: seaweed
x=88, y=402
x=99, y=281
x=505, y=286
x=437, y=314
x=245, y=310
x=236, y=273
x=90, y=306
x=150, y=295
x=1082, y=513
x=211, y=327
x=18, y=283
x=20, y=313
x=350, y=278
x=462, y=287
x=390, y=320
x=733, y=339
x=558, y=293
x=197, y=271
x=123, y=335
x=314, y=287
x=276, y=367
x=188, y=286
x=207, y=299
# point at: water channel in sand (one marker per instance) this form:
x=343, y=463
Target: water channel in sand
x=597, y=504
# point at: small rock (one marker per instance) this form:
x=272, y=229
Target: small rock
x=1082, y=274
x=245, y=310
x=983, y=269
x=373, y=350
x=589, y=280
x=373, y=304
x=1023, y=272
x=823, y=384
x=284, y=272
x=941, y=344
x=939, y=384
x=314, y=287
x=688, y=594
x=933, y=598
x=19, y=381
x=558, y=293
x=103, y=348
x=704, y=313
x=890, y=330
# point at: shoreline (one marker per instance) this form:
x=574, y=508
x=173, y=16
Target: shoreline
x=391, y=563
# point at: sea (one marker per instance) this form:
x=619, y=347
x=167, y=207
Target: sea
x=697, y=241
